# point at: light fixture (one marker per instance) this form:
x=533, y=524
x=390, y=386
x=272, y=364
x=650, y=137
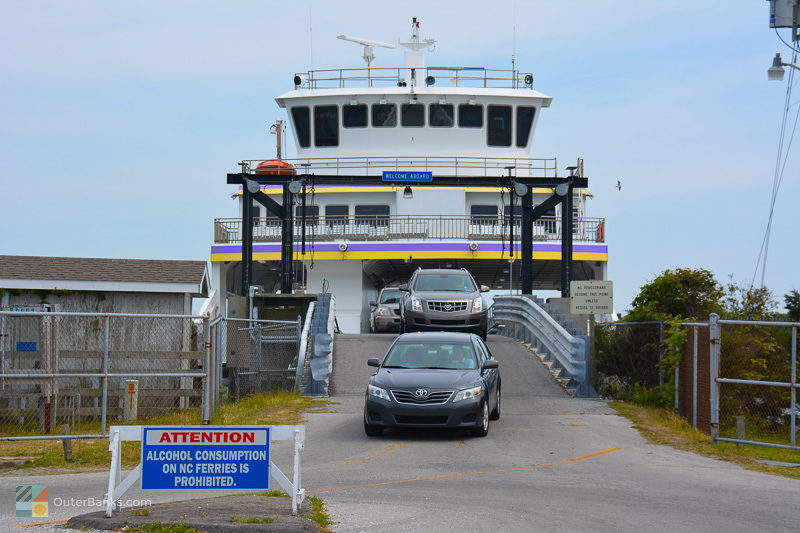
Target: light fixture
x=408, y=259
x=442, y=101
x=353, y=101
x=342, y=246
x=412, y=100
x=408, y=194
x=471, y=101
x=382, y=101
x=473, y=246
x=776, y=71
x=430, y=80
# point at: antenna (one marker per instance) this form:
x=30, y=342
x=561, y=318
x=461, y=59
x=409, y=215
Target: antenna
x=369, y=46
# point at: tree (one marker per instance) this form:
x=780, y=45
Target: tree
x=792, y=300
x=681, y=293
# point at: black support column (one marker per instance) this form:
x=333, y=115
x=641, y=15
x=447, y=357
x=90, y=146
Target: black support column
x=526, y=245
x=287, y=240
x=566, y=241
x=247, y=240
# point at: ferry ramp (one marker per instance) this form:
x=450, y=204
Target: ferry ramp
x=523, y=374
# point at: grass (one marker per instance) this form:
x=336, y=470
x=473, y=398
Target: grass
x=265, y=520
x=141, y=512
x=663, y=426
x=158, y=527
x=319, y=514
x=273, y=408
x=274, y=494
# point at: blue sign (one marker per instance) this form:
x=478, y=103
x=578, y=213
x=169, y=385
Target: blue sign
x=205, y=457
x=26, y=346
x=414, y=177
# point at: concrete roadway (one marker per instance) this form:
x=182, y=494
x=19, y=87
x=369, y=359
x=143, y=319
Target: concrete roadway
x=551, y=463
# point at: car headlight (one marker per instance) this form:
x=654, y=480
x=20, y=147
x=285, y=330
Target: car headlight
x=468, y=394
x=477, y=304
x=416, y=304
x=378, y=392
x=379, y=312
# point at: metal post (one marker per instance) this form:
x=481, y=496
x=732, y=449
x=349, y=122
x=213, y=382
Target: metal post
x=793, y=414
x=694, y=382
x=207, y=346
x=247, y=240
x=298, y=445
x=287, y=246
x=677, y=383
x=713, y=353
x=104, y=406
x=526, y=243
x=660, y=354
x=566, y=241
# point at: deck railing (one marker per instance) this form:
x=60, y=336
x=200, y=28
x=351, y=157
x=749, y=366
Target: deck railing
x=399, y=227
x=341, y=78
x=450, y=166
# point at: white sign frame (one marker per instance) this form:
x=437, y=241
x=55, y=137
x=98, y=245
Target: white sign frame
x=591, y=297
x=118, y=486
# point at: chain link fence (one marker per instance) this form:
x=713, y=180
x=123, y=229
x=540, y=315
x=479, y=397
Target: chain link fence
x=77, y=373
x=258, y=355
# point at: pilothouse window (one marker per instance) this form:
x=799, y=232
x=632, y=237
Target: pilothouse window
x=312, y=214
x=354, y=116
x=373, y=215
x=470, y=116
x=524, y=122
x=336, y=215
x=441, y=115
x=499, y=130
x=326, y=125
x=302, y=126
x=412, y=115
x=384, y=115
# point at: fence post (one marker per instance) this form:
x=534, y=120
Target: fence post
x=104, y=406
x=793, y=424
x=660, y=355
x=694, y=381
x=207, y=368
x=713, y=360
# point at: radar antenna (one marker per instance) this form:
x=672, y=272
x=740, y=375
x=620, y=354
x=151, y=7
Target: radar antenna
x=369, y=46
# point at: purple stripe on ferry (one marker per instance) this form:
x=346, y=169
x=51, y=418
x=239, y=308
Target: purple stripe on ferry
x=408, y=247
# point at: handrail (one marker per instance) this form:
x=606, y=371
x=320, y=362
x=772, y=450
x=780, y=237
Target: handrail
x=405, y=227
x=301, y=352
x=392, y=76
x=524, y=320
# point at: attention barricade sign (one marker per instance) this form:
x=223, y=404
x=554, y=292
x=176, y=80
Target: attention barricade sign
x=205, y=457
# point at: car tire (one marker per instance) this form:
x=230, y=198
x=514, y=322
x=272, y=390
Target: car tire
x=483, y=428
x=371, y=430
x=495, y=414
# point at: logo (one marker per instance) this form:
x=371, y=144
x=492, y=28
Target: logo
x=32, y=500
x=421, y=393
x=448, y=306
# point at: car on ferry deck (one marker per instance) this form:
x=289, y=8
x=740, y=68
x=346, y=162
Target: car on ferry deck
x=434, y=380
x=385, y=313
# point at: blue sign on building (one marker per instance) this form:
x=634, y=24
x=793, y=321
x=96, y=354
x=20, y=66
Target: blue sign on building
x=205, y=457
x=26, y=346
x=414, y=177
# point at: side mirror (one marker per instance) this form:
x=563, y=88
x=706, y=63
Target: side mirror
x=491, y=363
x=403, y=287
x=484, y=288
x=373, y=303
x=374, y=362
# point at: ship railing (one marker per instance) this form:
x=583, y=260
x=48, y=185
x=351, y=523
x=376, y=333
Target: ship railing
x=447, y=166
x=397, y=76
x=407, y=227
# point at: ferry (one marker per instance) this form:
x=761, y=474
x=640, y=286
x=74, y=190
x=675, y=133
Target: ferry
x=416, y=120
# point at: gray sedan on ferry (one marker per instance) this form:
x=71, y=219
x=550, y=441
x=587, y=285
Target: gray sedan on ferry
x=434, y=380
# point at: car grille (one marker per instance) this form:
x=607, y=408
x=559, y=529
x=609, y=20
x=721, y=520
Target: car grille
x=435, y=322
x=438, y=420
x=447, y=306
x=402, y=396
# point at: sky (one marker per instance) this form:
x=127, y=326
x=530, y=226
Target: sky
x=120, y=119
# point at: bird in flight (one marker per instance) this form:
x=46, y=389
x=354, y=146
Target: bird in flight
x=619, y=185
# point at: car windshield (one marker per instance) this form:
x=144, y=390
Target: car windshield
x=431, y=355
x=444, y=282
x=390, y=297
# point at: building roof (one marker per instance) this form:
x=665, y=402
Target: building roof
x=103, y=274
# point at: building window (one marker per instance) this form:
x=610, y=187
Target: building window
x=384, y=115
x=483, y=214
x=412, y=115
x=336, y=215
x=499, y=130
x=517, y=214
x=326, y=125
x=524, y=123
x=470, y=116
x=354, y=116
x=312, y=214
x=441, y=115
x=373, y=215
x=302, y=126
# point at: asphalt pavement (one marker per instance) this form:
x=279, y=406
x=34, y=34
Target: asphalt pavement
x=551, y=463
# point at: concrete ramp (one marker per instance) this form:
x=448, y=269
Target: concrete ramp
x=350, y=354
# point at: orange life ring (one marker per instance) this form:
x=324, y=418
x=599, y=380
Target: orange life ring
x=275, y=167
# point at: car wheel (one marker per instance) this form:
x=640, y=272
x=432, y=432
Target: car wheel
x=371, y=430
x=496, y=411
x=483, y=422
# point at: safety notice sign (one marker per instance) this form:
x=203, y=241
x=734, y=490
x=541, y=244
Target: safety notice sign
x=205, y=457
